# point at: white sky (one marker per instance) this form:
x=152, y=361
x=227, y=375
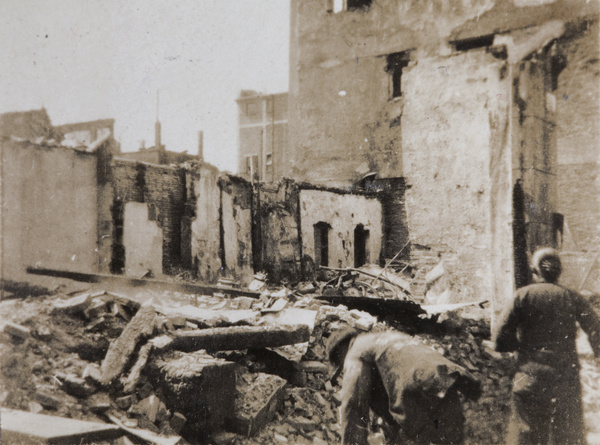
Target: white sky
x=97, y=59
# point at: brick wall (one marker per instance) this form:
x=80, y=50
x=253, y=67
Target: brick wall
x=163, y=190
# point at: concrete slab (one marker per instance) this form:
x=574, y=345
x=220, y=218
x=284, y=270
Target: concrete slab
x=27, y=428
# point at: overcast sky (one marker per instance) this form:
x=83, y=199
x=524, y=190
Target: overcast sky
x=96, y=59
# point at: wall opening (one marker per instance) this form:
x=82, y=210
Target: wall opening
x=395, y=64
x=117, y=261
x=322, y=243
x=349, y=5
x=522, y=276
x=361, y=242
x=558, y=222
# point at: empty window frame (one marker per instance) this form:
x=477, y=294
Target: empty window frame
x=321, y=231
x=349, y=5
x=269, y=163
x=252, y=165
x=396, y=62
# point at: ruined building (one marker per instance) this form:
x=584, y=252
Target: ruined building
x=458, y=98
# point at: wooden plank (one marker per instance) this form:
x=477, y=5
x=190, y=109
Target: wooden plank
x=27, y=428
x=156, y=285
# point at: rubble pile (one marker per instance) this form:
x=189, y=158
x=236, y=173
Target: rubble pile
x=146, y=363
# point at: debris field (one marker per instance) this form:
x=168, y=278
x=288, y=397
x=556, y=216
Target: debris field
x=169, y=367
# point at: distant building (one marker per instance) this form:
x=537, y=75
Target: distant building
x=263, y=135
x=90, y=133
x=158, y=154
x=28, y=125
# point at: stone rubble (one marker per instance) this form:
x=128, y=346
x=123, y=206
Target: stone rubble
x=109, y=358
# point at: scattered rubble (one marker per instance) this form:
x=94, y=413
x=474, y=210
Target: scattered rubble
x=177, y=368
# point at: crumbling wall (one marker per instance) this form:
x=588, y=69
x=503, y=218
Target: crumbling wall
x=278, y=250
x=49, y=210
x=343, y=213
x=236, y=214
x=206, y=224
x=457, y=107
x=162, y=188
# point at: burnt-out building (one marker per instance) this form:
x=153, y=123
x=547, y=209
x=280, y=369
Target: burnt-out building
x=458, y=98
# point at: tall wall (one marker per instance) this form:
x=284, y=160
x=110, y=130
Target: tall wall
x=49, y=209
x=276, y=230
x=578, y=138
x=455, y=157
x=343, y=213
x=162, y=189
x=236, y=221
x=204, y=190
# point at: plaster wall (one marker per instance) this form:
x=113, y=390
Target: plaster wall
x=49, y=209
x=236, y=211
x=143, y=241
x=457, y=107
x=343, y=212
x=205, y=226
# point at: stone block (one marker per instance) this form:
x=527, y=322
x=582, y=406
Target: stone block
x=73, y=305
x=97, y=306
x=125, y=402
x=17, y=330
x=147, y=407
x=92, y=373
x=21, y=427
x=258, y=398
x=313, y=366
x=197, y=385
x=47, y=400
x=76, y=386
x=177, y=321
x=119, y=353
x=177, y=422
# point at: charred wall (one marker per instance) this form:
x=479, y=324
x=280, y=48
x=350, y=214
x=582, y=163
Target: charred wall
x=162, y=190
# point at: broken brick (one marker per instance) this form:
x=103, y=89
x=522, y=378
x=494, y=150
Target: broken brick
x=132, y=379
x=17, y=330
x=97, y=307
x=91, y=373
x=125, y=402
x=147, y=407
x=76, y=386
x=177, y=422
x=48, y=401
x=73, y=305
x=258, y=398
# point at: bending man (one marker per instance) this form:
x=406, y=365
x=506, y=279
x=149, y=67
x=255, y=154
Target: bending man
x=411, y=387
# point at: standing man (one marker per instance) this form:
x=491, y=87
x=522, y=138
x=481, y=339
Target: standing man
x=540, y=325
x=412, y=388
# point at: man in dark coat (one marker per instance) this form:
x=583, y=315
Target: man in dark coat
x=412, y=388
x=540, y=325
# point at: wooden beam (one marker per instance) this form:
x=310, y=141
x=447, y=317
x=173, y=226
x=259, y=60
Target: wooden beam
x=156, y=285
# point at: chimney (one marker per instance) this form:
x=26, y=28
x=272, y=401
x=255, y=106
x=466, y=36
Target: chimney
x=157, y=142
x=142, y=145
x=201, y=146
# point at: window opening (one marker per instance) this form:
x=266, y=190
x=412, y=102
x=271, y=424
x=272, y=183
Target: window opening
x=322, y=243
x=395, y=64
x=361, y=241
x=269, y=163
x=251, y=108
x=356, y=5
x=473, y=43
